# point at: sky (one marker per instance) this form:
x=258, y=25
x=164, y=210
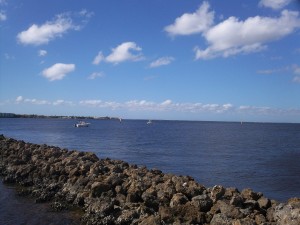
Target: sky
x=235, y=60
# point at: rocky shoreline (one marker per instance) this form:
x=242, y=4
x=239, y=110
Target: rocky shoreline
x=115, y=192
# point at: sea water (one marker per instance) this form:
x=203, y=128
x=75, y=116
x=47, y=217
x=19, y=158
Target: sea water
x=262, y=156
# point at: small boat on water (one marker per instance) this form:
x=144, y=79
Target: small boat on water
x=81, y=124
x=149, y=122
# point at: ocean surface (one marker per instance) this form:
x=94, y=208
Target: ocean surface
x=262, y=156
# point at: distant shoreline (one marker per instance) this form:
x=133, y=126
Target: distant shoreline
x=35, y=116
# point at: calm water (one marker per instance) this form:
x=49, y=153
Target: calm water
x=263, y=156
x=22, y=211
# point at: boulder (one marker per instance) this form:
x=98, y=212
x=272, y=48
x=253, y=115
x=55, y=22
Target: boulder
x=115, y=192
x=217, y=192
x=178, y=199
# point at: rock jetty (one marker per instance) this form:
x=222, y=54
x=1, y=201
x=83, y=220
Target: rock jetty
x=115, y=192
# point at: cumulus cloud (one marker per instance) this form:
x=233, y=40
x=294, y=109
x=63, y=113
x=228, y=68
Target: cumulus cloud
x=161, y=62
x=127, y=51
x=274, y=4
x=58, y=71
x=95, y=75
x=3, y=16
x=192, y=23
x=50, y=30
x=123, y=53
x=42, y=52
x=38, y=35
x=233, y=36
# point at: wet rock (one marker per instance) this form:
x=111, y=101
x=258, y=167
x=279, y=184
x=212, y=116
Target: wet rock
x=115, y=192
x=58, y=206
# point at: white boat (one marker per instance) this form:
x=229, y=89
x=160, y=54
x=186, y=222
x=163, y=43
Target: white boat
x=82, y=124
x=149, y=122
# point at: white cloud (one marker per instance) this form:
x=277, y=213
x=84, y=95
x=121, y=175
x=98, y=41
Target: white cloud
x=167, y=102
x=95, y=75
x=58, y=71
x=42, y=52
x=62, y=102
x=85, y=13
x=192, y=23
x=274, y=4
x=168, y=106
x=36, y=101
x=93, y=103
x=38, y=35
x=122, y=53
x=161, y=62
x=98, y=58
x=233, y=36
x=19, y=99
x=50, y=30
x=3, y=16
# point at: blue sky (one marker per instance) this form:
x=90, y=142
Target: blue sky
x=172, y=59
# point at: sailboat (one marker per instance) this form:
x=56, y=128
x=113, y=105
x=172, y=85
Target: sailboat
x=149, y=122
